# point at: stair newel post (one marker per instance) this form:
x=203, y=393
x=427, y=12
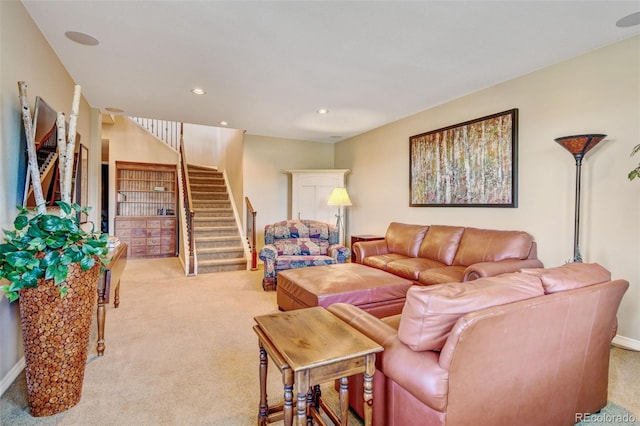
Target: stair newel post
x=192, y=237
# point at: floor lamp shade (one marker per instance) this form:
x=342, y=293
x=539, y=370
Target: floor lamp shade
x=339, y=197
x=578, y=146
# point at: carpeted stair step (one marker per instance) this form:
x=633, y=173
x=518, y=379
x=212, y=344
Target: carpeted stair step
x=209, y=212
x=207, y=187
x=202, y=179
x=214, y=253
x=203, y=196
x=224, y=265
x=214, y=222
x=216, y=242
x=216, y=231
x=201, y=174
x=211, y=204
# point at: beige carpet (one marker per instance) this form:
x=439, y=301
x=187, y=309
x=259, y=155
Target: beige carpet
x=181, y=351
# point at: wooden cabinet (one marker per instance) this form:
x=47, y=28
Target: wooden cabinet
x=148, y=235
x=146, y=208
x=310, y=191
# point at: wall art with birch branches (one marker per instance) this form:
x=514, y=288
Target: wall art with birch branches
x=471, y=164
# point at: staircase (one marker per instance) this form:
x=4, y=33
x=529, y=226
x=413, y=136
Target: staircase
x=218, y=241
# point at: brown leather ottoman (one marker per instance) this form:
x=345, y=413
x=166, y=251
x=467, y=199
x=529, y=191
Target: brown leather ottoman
x=377, y=292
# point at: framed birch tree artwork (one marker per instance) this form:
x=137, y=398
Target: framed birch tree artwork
x=471, y=164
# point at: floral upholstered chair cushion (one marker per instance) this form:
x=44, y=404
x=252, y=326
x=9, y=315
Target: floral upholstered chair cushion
x=299, y=243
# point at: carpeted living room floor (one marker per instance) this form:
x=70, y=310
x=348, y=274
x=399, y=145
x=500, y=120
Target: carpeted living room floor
x=181, y=351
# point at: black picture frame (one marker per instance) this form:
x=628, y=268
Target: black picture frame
x=471, y=164
x=81, y=181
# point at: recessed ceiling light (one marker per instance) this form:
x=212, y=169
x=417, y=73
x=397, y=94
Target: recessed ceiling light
x=629, y=20
x=198, y=91
x=224, y=123
x=81, y=38
x=114, y=110
x=323, y=111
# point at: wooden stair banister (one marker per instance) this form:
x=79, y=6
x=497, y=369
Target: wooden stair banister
x=251, y=233
x=188, y=205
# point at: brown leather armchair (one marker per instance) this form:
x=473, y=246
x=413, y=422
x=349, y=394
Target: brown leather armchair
x=537, y=361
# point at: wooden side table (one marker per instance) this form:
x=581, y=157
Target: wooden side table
x=112, y=273
x=311, y=346
x=357, y=238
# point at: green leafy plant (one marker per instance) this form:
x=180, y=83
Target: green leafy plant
x=44, y=245
x=635, y=173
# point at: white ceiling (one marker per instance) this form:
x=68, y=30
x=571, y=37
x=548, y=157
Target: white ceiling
x=268, y=66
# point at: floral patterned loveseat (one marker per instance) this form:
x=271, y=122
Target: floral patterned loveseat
x=298, y=243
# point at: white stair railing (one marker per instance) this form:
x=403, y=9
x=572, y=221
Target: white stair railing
x=166, y=131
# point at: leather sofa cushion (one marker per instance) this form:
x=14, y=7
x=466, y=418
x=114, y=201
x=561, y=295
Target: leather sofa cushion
x=410, y=267
x=430, y=312
x=380, y=261
x=570, y=276
x=442, y=275
x=441, y=243
x=405, y=239
x=489, y=245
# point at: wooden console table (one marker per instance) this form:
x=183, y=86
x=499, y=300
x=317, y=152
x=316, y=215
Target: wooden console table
x=311, y=346
x=111, y=275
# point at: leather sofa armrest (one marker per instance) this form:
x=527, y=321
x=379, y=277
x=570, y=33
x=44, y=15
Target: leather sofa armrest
x=339, y=253
x=491, y=269
x=362, y=249
x=367, y=324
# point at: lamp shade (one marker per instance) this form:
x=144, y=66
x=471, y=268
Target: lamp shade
x=339, y=197
x=579, y=145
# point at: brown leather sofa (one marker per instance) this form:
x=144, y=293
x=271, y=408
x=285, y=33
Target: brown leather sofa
x=531, y=349
x=439, y=254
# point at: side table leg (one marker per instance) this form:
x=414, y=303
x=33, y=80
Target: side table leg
x=264, y=408
x=369, y=370
x=344, y=400
x=310, y=407
x=302, y=388
x=116, y=298
x=101, y=315
x=287, y=378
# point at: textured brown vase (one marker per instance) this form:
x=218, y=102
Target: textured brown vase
x=56, y=333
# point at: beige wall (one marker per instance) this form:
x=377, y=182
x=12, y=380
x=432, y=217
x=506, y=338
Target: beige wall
x=267, y=184
x=129, y=142
x=595, y=93
x=201, y=145
x=231, y=147
x=25, y=55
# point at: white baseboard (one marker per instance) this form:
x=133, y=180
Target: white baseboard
x=11, y=376
x=626, y=343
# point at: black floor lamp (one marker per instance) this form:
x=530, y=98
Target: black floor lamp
x=578, y=146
